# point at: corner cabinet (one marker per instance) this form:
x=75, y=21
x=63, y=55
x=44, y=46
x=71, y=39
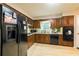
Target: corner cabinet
x=30, y=40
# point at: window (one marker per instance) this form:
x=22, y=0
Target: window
x=45, y=25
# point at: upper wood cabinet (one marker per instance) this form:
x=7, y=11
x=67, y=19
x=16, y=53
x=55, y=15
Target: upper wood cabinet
x=56, y=22
x=36, y=24
x=29, y=21
x=53, y=23
x=68, y=21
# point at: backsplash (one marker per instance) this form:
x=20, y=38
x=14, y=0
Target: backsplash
x=55, y=30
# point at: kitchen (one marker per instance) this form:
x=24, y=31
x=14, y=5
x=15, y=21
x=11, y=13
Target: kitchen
x=48, y=31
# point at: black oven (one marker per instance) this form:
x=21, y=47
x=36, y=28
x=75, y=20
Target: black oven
x=68, y=33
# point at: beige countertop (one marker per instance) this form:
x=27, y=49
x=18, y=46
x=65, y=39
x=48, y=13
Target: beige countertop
x=43, y=33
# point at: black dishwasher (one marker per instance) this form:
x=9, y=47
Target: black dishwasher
x=54, y=39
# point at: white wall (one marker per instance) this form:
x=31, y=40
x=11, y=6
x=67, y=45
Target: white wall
x=76, y=31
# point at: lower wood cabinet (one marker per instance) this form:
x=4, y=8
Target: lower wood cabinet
x=30, y=40
x=45, y=38
x=60, y=39
x=68, y=43
x=65, y=43
x=42, y=38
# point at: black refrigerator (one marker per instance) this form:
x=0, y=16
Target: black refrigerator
x=13, y=32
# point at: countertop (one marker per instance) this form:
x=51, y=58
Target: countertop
x=29, y=34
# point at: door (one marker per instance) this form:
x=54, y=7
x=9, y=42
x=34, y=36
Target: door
x=71, y=20
x=65, y=21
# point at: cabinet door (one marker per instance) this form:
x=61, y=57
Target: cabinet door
x=42, y=38
x=53, y=23
x=36, y=24
x=68, y=43
x=37, y=38
x=30, y=40
x=60, y=39
x=46, y=38
x=65, y=21
x=68, y=21
x=71, y=20
x=56, y=22
x=30, y=21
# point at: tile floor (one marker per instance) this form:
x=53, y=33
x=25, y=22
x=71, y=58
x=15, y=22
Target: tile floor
x=38, y=49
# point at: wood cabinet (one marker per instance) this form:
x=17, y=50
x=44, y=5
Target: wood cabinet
x=68, y=43
x=42, y=38
x=60, y=39
x=36, y=24
x=30, y=40
x=53, y=23
x=65, y=43
x=63, y=21
x=68, y=21
x=56, y=22
x=29, y=21
x=37, y=38
x=45, y=38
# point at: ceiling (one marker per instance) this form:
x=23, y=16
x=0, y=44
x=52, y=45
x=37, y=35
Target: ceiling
x=40, y=10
